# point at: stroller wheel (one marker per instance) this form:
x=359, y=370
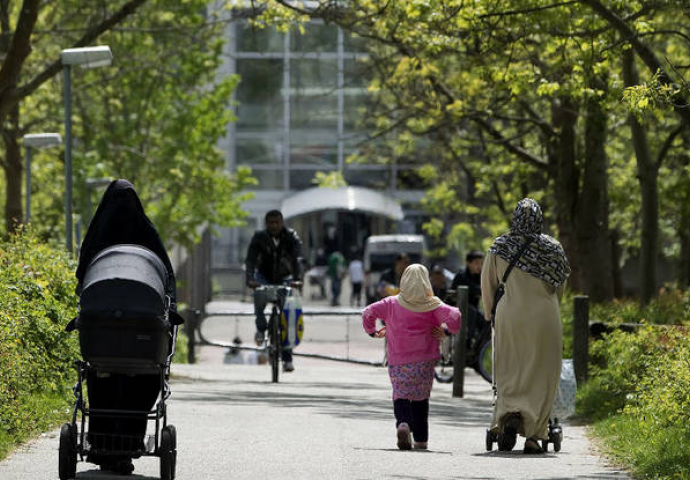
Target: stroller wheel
x=490, y=439
x=545, y=445
x=168, y=452
x=556, y=435
x=67, y=466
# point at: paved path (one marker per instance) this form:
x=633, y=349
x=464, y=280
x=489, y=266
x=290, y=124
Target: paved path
x=324, y=421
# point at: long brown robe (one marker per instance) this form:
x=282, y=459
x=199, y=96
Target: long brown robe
x=527, y=346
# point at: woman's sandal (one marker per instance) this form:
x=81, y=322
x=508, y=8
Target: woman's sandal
x=532, y=446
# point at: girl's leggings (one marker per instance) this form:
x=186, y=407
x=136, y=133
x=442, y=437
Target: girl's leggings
x=415, y=414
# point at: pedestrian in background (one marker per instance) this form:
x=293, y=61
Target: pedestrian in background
x=439, y=284
x=415, y=320
x=389, y=283
x=336, y=272
x=356, y=270
x=471, y=277
x=528, y=331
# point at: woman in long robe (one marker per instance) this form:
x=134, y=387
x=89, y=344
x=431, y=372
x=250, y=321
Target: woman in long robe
x=120, y=219
x=528, y=332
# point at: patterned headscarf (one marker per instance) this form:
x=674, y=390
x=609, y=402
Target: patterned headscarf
x=544, y=258
x=416, y=294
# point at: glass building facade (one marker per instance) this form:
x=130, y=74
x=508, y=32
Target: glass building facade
x=298, y=103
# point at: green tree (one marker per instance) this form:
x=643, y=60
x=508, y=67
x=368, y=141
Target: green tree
x=526, y=98
x=24, y=31
x=154, y=117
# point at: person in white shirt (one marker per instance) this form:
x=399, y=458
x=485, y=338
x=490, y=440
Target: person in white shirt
x=356, y=279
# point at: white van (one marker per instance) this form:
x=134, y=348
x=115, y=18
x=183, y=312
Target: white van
x=380, y=252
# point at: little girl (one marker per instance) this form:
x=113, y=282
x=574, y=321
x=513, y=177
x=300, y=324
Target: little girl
x=415, y=322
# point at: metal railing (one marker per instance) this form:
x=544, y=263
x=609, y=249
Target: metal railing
x=324, y=328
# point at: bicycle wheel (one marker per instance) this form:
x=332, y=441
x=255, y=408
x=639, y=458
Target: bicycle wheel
x=484, y=363
x=274, y=349
x=444, y=367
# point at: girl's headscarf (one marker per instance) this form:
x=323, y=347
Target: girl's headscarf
x=544, y=258
x=416, y=294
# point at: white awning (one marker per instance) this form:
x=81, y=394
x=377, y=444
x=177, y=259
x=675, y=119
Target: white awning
x=353, y=199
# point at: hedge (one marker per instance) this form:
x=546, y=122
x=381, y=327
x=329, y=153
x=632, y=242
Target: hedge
x=37, y=300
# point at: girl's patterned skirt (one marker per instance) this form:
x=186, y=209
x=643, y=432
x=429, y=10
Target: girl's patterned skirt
x=412, y=381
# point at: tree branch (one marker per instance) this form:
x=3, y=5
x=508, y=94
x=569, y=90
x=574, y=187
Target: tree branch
x=527, y=10
x=520, y=152
x=647, y=55
x=11, y=98
x=667, y=144
x=19, y=49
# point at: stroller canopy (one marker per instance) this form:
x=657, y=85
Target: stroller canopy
x=124, y=280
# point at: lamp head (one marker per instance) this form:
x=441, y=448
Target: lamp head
x=42, y=140
x=87, y=57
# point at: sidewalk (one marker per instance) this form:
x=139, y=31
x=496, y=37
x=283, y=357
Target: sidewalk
x=324, y=421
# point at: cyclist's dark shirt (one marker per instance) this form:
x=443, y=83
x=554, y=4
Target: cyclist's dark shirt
x=274, y=263
x=473, y=282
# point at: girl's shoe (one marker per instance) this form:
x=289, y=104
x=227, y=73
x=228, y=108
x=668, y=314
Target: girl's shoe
x=420, y=445
x=404, y=437
x=532, y=446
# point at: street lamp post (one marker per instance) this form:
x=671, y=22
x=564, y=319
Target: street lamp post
x=35, y=140
x=86, y=57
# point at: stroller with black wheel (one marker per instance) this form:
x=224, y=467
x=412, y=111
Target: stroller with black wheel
x=127, y=331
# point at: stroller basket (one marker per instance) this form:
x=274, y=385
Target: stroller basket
x=108, y=444
x=123, y=324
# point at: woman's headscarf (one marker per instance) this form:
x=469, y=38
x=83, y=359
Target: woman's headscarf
x=416, y=294
x=120, y=218
x=544, y=258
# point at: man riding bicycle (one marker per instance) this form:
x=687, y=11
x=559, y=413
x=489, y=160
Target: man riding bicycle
x=273, y=258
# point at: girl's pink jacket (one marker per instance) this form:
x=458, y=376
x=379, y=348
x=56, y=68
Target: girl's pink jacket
x=409, y=333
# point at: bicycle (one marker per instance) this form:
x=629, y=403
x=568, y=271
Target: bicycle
x=277, y=331
x=478, y=354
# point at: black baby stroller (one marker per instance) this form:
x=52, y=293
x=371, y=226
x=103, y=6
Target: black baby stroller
x=127, y=331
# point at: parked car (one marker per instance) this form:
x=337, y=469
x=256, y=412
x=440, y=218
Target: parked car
x=380, y=252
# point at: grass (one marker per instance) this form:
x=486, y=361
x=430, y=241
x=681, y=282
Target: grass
x=650, y=453
x=50, y=410
x=47, y=412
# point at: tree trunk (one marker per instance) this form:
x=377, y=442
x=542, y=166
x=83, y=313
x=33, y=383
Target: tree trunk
x=684, y=223
x=13, y=173
x=616, y=254
x=684, y=262
x=648, y=176
x=592, y=220
x=563, y=168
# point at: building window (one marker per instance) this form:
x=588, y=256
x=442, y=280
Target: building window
x=260, y=95
x=317, y=38
x=265, y=149
x=269, y=179
x=260, y=40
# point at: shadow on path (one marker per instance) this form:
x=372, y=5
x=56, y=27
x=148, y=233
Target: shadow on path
x=97, y=474
x=341, y=404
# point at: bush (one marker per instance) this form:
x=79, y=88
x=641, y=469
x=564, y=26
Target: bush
x=639, y=393
x=670, y=307
x=37, y=300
